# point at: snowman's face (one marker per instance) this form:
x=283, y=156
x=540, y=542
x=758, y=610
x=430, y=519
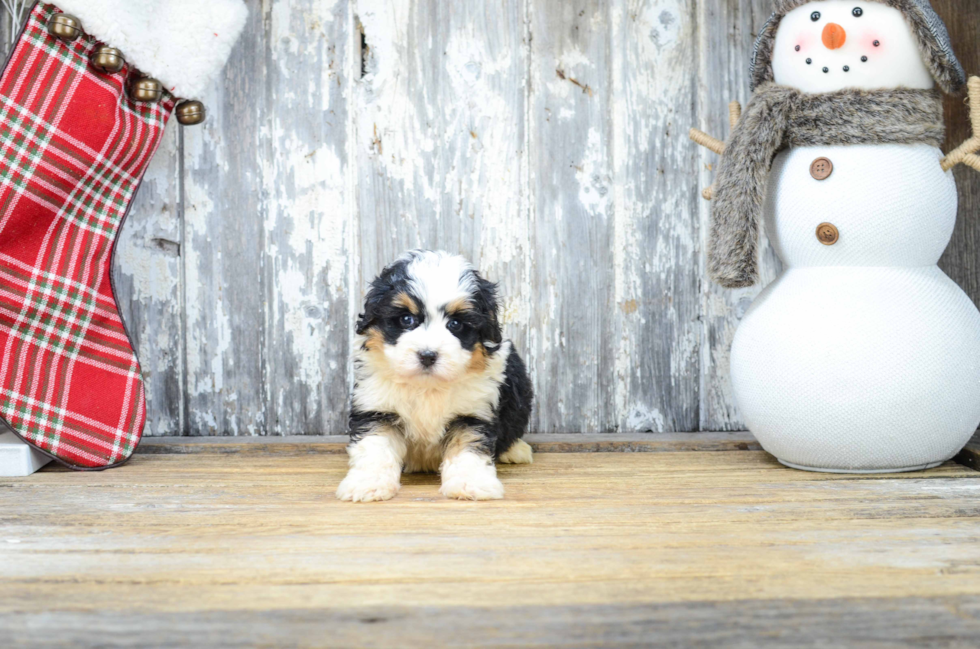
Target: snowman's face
x=830, y=45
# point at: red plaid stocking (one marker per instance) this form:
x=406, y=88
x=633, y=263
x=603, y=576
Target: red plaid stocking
x=73, y=149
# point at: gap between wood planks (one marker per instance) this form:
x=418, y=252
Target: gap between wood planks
x=542, y=443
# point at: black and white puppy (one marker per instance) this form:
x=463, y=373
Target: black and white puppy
x=437, y=387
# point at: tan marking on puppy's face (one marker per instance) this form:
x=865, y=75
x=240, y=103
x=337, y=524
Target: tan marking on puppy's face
x=478, y=362
x=458, y=306
x=375, y=340
x=405, y=301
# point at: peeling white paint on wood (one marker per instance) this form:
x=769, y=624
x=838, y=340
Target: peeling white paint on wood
x=572, y=347
x=656, y=279
x=226, y=203
x=147, y=280
x=440, y=137
x=306, y=228
x=724, y=77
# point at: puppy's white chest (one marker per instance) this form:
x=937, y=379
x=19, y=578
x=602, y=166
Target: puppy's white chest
x=426, y=408
x=425, y=413
x=425, y=416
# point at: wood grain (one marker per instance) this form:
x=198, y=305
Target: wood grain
x=147, y=277
x=730, y=545
x=308, y=225
x=267, y=223
x=727, y=37
x=571, y=352
x=439, y=116
x=542, y=443
x=226, y=197
x=911, y=622
x=543, y=139
x=656, y=279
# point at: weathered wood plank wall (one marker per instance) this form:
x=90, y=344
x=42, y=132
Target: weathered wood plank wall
x=544, y=139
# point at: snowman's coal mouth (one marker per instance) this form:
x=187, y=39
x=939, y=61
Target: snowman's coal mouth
x=845, y=68
x=827, y=70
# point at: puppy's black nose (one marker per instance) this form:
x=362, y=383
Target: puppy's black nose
x=428, y=359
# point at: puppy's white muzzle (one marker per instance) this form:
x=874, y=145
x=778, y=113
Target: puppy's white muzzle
x=429, y=351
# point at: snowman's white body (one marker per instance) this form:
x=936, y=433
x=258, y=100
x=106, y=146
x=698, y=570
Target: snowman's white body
x=863, y=355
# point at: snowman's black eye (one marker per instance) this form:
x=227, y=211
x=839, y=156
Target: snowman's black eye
x=815, y=16
x=858, y=12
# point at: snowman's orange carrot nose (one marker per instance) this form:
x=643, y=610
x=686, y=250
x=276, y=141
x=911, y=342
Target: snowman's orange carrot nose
x=834, y=36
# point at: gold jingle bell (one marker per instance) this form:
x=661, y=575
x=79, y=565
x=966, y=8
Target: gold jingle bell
x=191, y=113
x=108, y=59
x=66, y=27
x=146, y=90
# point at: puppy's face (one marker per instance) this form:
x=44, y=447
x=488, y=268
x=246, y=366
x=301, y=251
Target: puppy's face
x=430, y=317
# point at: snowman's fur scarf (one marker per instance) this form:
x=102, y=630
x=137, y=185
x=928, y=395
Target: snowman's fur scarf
x=926, y=26
x=779, y=117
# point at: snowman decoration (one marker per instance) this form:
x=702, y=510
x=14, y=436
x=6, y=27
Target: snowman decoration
x=863, y=356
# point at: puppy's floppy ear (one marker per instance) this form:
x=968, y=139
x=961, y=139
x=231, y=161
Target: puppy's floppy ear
x=364, y=322
x=382, y=289
x=376, y=297
x=486, y=303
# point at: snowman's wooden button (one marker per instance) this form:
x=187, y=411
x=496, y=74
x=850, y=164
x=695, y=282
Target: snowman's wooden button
x=827, y=234
x=821, y=168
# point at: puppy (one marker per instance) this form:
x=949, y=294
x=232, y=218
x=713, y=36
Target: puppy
x=437, y=388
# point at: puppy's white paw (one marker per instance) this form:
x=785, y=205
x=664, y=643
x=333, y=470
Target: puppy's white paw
x=519, y=453
x=363, y=487
x=469, y=476
x=473, y=488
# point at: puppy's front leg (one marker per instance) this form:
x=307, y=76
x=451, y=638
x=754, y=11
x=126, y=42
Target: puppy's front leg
x=376, y=462
x=468, y=471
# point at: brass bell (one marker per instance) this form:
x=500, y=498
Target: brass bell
x=146, y=90
x=67, y=28
x=191, y=113
x=108, y=59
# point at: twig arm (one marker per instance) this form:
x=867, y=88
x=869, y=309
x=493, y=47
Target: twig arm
x=967, y=152
x=972, y=160
x=713, y=143
x=734, y=113
x=708, y=142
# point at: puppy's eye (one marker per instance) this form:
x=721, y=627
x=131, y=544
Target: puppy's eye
x=815, y=16
x=454, y=326
x=407, y=321
x=858, y=12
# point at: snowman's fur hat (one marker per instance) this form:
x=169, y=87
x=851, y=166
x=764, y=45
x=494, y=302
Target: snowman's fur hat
x=927, y=26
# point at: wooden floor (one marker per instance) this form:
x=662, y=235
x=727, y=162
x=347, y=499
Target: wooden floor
x=603, y=549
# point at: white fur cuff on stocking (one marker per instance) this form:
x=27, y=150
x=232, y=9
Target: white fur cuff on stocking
x=183, y=43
